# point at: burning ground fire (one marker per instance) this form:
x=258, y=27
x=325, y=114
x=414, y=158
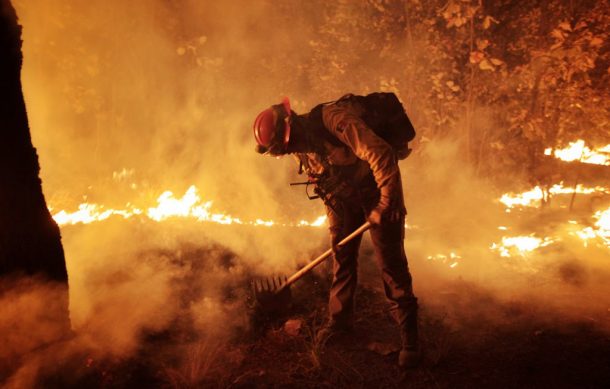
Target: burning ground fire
x=523, y=246
x=577, y=151
x=534, y=197
x=520, y=245
x=191, y=206
x=168, y=206
x=602, y=230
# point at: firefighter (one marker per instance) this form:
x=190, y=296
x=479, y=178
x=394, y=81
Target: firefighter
x=357, y=175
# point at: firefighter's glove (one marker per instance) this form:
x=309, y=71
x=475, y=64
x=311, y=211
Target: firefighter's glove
x=335, y=249
x=390, y=208
x=385, y=211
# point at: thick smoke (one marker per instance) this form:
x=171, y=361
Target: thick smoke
x=127, y=99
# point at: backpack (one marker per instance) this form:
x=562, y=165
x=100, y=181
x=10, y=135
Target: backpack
x=384, y=114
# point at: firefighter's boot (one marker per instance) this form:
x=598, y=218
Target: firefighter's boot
x=410, y=354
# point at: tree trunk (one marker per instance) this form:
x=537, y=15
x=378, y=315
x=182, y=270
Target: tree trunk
x=30, y=242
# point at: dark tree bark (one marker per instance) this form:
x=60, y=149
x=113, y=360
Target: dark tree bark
x=30, y=242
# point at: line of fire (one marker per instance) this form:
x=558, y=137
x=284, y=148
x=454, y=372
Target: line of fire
x=254, y=194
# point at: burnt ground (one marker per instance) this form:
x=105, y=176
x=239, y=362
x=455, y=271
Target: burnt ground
x=524, y=347
x=470, y=339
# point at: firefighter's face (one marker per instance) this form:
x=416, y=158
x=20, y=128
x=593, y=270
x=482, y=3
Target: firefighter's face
x=278, y=147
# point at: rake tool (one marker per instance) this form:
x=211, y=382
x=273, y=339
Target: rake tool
x=273, y=294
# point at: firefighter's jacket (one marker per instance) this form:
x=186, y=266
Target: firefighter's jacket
x=361, y=159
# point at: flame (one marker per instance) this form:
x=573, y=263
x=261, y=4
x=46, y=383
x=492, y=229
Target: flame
x=577, y=151
x=601, y=230
x=586, y=234
x=88, y=213
x=451, y=259
x=191, y=206
x=320, y=221
x=168, y=206
x=533, y=197
x=520, y=245
x=603, y=225
x=525, y=199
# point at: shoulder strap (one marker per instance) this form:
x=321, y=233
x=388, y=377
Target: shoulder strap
x=317, y=128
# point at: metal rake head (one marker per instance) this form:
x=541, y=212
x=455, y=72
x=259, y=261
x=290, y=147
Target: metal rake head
x=268, y=284
x=271, y=294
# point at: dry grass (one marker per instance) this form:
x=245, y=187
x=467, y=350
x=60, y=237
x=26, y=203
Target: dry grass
x=199, y=362
x=313, y=343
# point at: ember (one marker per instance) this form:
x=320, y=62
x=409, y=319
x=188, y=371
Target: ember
x=451, y=259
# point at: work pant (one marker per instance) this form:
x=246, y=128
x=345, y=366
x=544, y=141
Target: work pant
x=388, y=241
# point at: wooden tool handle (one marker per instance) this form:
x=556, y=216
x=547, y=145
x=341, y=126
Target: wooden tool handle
x=296, y=276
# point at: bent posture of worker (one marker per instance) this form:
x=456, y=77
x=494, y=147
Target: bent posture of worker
x=357, y=175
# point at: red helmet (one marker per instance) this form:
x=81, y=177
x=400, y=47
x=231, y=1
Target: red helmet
x=272, y=128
